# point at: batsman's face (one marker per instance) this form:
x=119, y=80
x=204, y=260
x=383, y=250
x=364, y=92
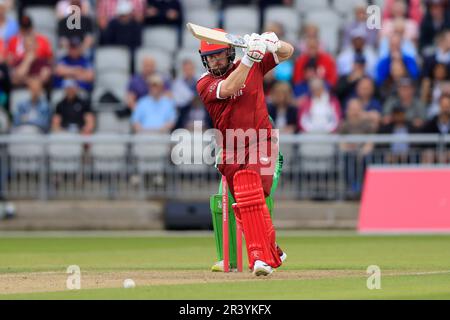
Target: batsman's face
x=218, y=61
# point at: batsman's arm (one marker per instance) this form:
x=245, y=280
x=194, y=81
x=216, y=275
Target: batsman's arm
x=234, y=81
x=285, y=51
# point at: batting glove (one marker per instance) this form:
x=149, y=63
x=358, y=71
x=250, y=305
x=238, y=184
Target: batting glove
x=256, y=48
x=271, y=40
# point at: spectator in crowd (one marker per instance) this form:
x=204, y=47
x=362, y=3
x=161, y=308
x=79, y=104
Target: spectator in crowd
x=365, y=92
x=185, y=88
x=398, y=126
x=396, y=65
x=138, y=86
x=163, y=12
x=30, y=65
x=313, y=63
x=407, y=100
x=320, y=112
x=356, y=155
x=436, y=20
x=399, y=16
x=281, y=108
x=15, y=50
x=34, y=111
x=73, y=113
x=440, y=124
x=74, y=65
x=440, y=55
x=107, y=10
x=8, y=25
x=156, y=111
x=309, y=30
x=360, y=21
x=359, y=48
x=434, y=87
x=5, y=81
x=413, y=10
x=124, y=30
x=86, y=30
x=63, y=8
x=346, y=86
x=407, y=46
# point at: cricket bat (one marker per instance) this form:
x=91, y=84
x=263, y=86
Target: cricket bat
x=215, y=36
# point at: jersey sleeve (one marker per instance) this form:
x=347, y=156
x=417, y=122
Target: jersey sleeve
x=269, y=62
x=208, y=89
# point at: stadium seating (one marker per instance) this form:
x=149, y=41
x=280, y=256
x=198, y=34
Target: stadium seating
x=289, y=18
x=109, y=157
x=112, y=58
x=330, y=25
x=203, y=16
x=64, y=157
x=241, y=19
x=304, y=6
x=164, y=38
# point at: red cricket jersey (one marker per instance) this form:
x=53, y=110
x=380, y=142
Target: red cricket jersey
x=244, y=110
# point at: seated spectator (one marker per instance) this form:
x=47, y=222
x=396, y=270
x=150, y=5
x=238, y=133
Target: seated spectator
x=63, y=8
x=395, y=66
x=356, y=155
x=154, y=112
x=124, y=30
x=320, y=112
x=5, y=81
x=8, y=25
x=107, y=9
x=440, y=55
x=365, y=92
x=399, y=15
x=358, y=48
x=407, y=47
x=185, y=87
x=75, y=66
x=398, y=126
x=360, y=21
x=168, y=12
x=413, y=10
x=86, y=30
x=436, y=20
x=309, y=30
x=15, y=50
x=281, y=110
x=73, y=113
x=313, y=63
x=346, y=86
x=407, y=100
x=138, y=86
x=440, y=124
x=439, y=86
x=34, y=111
x=30, y=65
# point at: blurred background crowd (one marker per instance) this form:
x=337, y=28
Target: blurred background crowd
x=131, y=66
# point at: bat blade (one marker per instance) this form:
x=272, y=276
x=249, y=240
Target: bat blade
x=215, y=36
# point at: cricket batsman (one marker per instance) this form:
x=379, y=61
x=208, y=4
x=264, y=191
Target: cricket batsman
x=234, y=98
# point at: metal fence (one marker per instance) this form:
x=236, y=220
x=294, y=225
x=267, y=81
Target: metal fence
x=70, y=166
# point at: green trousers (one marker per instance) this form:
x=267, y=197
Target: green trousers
x=215, y=203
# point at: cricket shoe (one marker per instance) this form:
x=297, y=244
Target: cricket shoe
x=260, y=268
x=218, y=267
x=282, y=254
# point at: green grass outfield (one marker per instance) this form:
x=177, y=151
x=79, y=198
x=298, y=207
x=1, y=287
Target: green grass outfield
x=322, y=265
